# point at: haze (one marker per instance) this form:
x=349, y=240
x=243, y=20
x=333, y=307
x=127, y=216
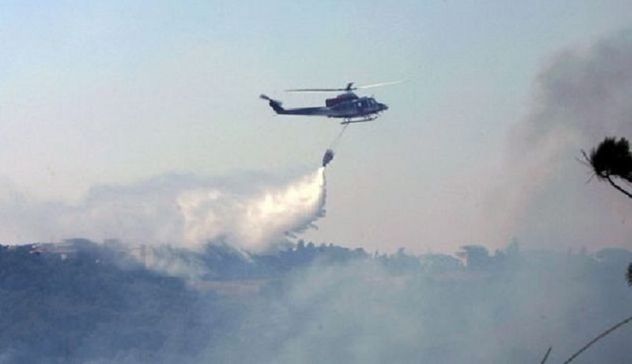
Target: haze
x=113, y=94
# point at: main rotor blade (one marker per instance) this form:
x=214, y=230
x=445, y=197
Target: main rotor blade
x=379, y=84
x=350, y=87
x=316, y=90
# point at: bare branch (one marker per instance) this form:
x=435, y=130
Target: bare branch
x=546, y=356
x=601, y=336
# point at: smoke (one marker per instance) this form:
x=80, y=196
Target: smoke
x=581, y=97
x=315, y=304
x=360, y=312
x=186, y=211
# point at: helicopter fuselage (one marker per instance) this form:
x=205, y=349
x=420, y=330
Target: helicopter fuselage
x=346, y=106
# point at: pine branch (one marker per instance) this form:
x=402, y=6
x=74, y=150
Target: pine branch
x=621, y=189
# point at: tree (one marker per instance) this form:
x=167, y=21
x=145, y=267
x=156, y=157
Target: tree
x=612, y=161
x=476, y=257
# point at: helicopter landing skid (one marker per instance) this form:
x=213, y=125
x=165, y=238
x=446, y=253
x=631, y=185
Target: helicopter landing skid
x=350, y=121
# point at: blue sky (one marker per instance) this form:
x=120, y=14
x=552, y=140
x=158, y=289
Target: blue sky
x=118, y=91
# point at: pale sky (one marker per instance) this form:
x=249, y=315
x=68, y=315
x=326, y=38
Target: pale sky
x=119, y=91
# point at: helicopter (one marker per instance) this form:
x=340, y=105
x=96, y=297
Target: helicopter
x=347, y=105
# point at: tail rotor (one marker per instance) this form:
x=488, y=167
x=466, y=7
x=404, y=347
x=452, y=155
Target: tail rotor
x=274, y=104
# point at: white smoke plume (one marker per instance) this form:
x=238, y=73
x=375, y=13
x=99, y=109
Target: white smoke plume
x=183, y=211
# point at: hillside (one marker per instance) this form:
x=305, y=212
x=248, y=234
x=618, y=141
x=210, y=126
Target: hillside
x=82, y=302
